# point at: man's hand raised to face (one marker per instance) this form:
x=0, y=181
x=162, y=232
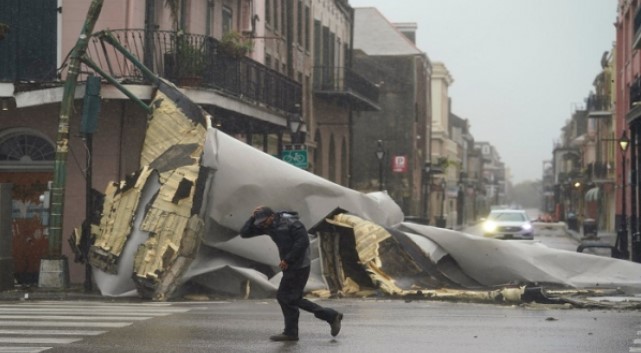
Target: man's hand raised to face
x=283, y=265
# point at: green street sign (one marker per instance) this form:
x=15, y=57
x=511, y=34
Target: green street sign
x=297, y=158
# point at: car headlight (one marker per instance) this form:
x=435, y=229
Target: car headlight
x=527, y=226
x=489, y=226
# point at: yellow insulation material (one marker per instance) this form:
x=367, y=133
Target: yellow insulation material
x=168, y=127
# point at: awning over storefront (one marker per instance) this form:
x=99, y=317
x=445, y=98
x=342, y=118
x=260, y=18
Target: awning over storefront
x=592, y=194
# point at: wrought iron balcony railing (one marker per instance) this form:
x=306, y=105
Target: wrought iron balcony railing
x=599, y=104
x=197, y=60
x=343, y=81
x=598, y=171
x=635, y=93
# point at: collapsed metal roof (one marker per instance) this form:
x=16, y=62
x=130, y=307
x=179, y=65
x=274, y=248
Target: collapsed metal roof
x=174, y=224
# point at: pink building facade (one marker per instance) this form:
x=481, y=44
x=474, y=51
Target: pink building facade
x=254, y=65
x=628, y=122
x=31, y=89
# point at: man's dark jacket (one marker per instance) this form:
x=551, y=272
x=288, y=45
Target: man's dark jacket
x=290, y=237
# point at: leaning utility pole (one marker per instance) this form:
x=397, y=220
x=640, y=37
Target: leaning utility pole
x=54, y=269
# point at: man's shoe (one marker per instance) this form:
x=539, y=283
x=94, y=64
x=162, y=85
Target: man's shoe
x=336, y=324
x=283, y=338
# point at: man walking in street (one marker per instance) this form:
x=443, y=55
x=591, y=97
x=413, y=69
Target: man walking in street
x=292, y=241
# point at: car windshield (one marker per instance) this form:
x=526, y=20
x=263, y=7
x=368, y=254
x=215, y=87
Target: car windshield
x=507, y=216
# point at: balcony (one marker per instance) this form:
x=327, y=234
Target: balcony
x=599, y=172
x=346, y=86
x=599, y=106
x=196, y=61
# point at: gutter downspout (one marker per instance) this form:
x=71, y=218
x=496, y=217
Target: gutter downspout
x=350, y=118
x=290, y=38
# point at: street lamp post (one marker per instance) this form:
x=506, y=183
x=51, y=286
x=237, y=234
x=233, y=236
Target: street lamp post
x=635, y=236
x=428, y=178
x=441, y=221
x=295, y=123
x=380, y=153
x=460, y=198
x=622, y=234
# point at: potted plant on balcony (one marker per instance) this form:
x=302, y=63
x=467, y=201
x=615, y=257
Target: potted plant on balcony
x=186, y=61
x=234, y=45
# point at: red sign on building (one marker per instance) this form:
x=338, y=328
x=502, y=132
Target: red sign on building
x=399, y=164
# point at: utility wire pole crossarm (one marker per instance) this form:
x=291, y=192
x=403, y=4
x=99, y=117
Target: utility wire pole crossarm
x=62, y=148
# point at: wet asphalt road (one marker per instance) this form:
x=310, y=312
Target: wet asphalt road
x=374, y=326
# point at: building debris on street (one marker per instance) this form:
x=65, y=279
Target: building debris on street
x=173, y=225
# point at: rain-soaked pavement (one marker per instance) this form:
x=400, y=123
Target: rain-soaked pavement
x=374, y=326
x=370, y=325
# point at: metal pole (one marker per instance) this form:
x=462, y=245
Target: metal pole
x=635, y=246
x=442, y=200
x=623, y=231
x=380, y=154
x=62, y=140
x=427, y=196
x=380, y=174
x=88, y=211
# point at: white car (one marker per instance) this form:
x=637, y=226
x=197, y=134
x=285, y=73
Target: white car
x=508, y=224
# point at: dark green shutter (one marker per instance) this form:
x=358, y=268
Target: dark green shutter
x=28, y=52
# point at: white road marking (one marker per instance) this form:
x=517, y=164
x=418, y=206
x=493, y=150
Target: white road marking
x=23, y=349
x=79, y=318
x=54, y=323
x=24, y=332
x=39, y=340
x=88, y=311
x=13, y=323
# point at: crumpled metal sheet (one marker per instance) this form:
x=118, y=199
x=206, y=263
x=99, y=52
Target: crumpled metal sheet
x=530, y=272
x=244, y=177
x=174, y=225
x=494, y=262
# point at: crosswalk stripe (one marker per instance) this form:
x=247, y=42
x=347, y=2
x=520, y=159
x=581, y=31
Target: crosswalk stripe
x=79, y=318
x=635, y=349
x=63, y=324
x=24, y=332
x=88, y=303
x=126, y=308
x=34, y=327
x=106, y=311
x=23, y=349
x=39, y=340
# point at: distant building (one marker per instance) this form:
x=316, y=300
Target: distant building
x=386, y=54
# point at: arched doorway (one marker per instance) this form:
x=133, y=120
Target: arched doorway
x=26, y=161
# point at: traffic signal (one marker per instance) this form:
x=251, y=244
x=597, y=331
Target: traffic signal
x=91, y=105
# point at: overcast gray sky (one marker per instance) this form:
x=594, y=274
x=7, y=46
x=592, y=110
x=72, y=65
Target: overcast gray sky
x=520, y=67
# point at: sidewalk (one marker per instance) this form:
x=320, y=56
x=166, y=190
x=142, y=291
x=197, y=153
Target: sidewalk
x=74, y=292
x=599, y=244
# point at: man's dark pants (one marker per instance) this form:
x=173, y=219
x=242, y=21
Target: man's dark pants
x=290, y=298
